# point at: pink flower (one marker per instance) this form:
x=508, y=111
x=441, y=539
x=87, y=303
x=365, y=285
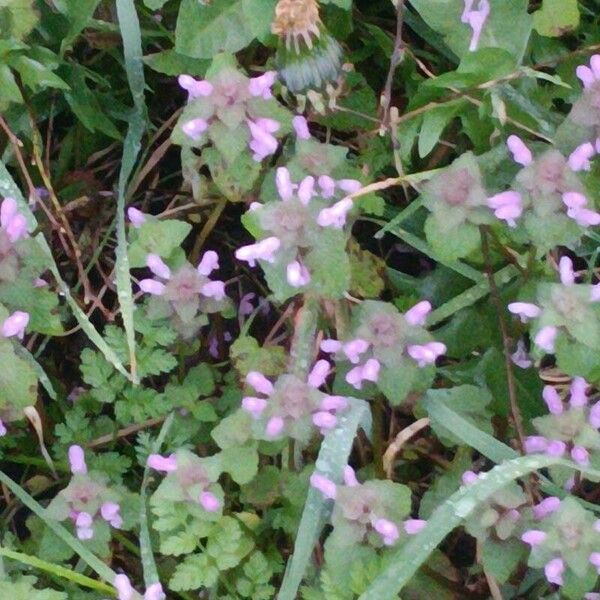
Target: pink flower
x=209, y=502
x=12, y=221
x=110, y=512
x=151, y=286
x=333, y=403
x=367, y=372
x=259, y=382
x=262, y=144
x=136, y=217
x=3, y=430
x=123, y=586
x=263, y=250
x=584, y=217
x=319, y=373
x=520, y=356
x=323, y=485
x=579, y=159
x=255, y=406
x=335, y=216
x=330, y=346
x=426, y=354
x=261, y=85
x=546, y=507
x=414, y=526
x=535, y=443
x=195, y=87
x=164, y=464
x=387, y=530
x=525, y=310
x=324, y=420
x=545, y=338
x=469, y=477
x=476, y=20
x=554, y=570
x=580, y=455
x=274, y=427
x=154, y=592
x=574, y=200
x=506, y=206
x=306, y=189
x=327, y=185
x=15, y=325
x=578, y=392
x=301, y=127
x=354, y=349
x=77, y=460
x=520, y=152
x=297, y=274
x=284, y=185
x=534, y=537
x=588, y=75
x=195, y=128
x=552, y=400
x=209, y=262
x=157, y=266
x=350, y=186
x=350, y=477
x=556, y=448
x=565, y=269
x=594, y=418
x=214, y=289
x=84, y=526
x=417, y=315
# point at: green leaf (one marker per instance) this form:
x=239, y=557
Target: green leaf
x=158, y=237
x=36, y=74
x=9, y=90
x=241, y=462
x=172, y=63
x=195, y=571
x=79, y=14
x=204, y=29
x=259, y=15
x=18, y=381
x=501, y=558
x=406, y=561
x=556, y=17
x=17, y=18
x=434, y=123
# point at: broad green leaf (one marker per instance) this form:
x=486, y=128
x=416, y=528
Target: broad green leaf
x=259, y=15
x=36, y=74
x=158, y=237
x=17, y=18
x=172, y=63
x=18, y=382
x=434, y=123
x=79, y=14
x=556, y=17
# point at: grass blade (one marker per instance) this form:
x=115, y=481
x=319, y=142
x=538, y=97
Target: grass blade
x=408, y=559
x=134, y=66
x=333, y=457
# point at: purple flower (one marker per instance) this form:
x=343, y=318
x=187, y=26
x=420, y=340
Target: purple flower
x=323, y=485
x=15, y=325
x=110, y=512
x=545, y=338
x=209, y=502
x=330, y=346
x=584, y=217
x=556, y=448
x=12, y=221
x=136, y=217
x=123, y=586
x=426, y=354
x=469, y=477
x=262, y=144
x=195, y=128
x=534, y=537
x=164, y=464
x=84, y=526
x=594, y=559
x=255, y=406
x=552, y=400
x=417, y=315
x=335, y=216
x=263, y=250
x=261, y=85
x=574, y=200
x=324, y=420
x=297, y=274
x=578, y=392
x=387, y=530
x=594, y=417
x=306, y=189
x=588, y=75
x=546, y=507
x=350, y=477
x=301, y=127
x=327, y=185
x=283, y=182
x=151, y=286
x=354, y=348
x=333, y=403
x=476, y=20
x=525, y=310
x=580, y=455
x=319, y=373
x=414, y=526
x=520, y=356
x=195, y=87
x=350, y=186
x=274, y=427
x=554, y=570
x=579, y=159
x=520, y=152
x=209, y=262
x=535, y=443
x=367, y=372
x=259, y=382
x=3, y=430
x=157, y=266
x=214, y=289
x=154, y=592
x=77, y=460
x=565, y=269
x=507, y=206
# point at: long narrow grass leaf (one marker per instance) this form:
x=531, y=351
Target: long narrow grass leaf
x=332, y=459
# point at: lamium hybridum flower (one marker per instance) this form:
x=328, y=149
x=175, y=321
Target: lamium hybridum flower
x=372, y=513
x=292, y=407
x=13, y=236
x=586, y=110
x=303, y=236
x=184, y=295
x=475, y=17
x=308, y=57
x=390, y=349
x=88, y=502
x=125, y=591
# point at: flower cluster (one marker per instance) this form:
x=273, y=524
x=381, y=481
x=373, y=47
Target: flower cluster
x=189, y=479
x=87, y=501
x=565, y=308
x=571, y=428
x=308, y=217
x=13, y=229
x=387, y=344
x=586, y=111
x=186, y=292
x=371, y=512
x=291, y=406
